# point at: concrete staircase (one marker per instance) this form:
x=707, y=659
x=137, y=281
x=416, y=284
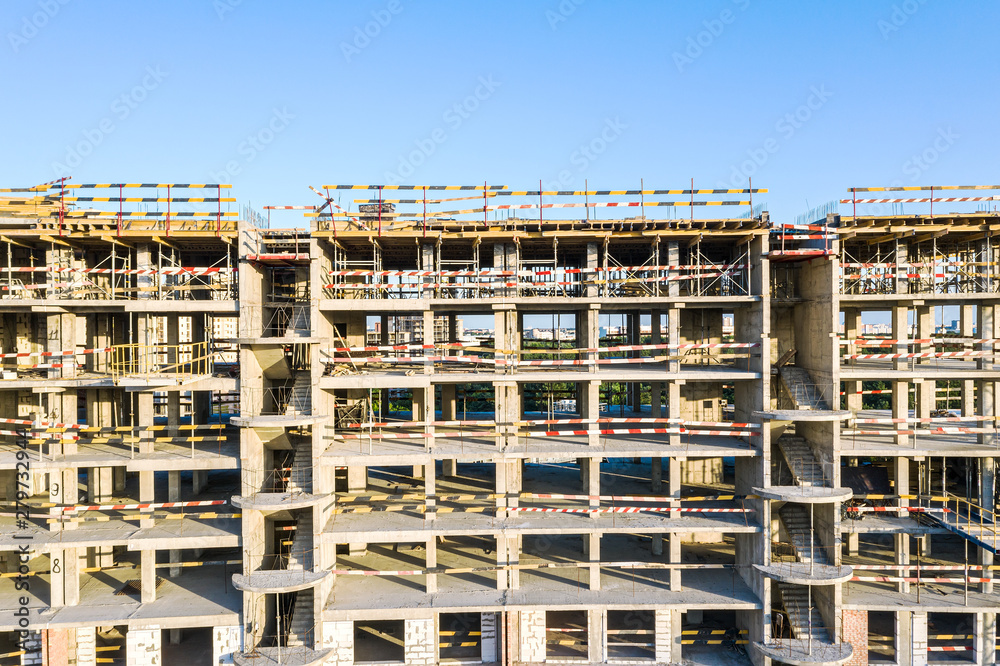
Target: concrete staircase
x=804, y=393
x=806, y=470
x=300, y=476
x=300, y=396
x=795, y=599
x=300, y=629
x=300, y=557
x=808, y=547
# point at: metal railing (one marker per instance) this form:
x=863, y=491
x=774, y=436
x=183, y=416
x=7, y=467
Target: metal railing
x=138, y=360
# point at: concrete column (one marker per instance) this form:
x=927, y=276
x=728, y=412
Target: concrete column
x=357, y=482
x=676, y=627
x=448, y=402
x=900, y=331
x=901, y=469
x=662, y=637
x=430, y=490
x=199, y=479
x=987, y=490
x=430, y=550
x=918, y=638
x=420, y=642
x=852, y=330
x=984, y=639
x=147, y=570
x=901, y=409
x=340, y=637
x=142, y=646
x=592, y=262
x=596, y=650
x=428, y=329
x=489, y=638
x=904, y=648
x=967, y=329
x=674, y=539
x=100, y=489
x=174, y=495
x=531, y=627
x=227, y=640
x=86, y=646
x=592, y=544
x=65, y=577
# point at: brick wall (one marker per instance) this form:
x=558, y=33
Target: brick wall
x=532, y=626
x=142, y=647
x=32, y=646
x=340, y=637
x=856, y=633
x=226, y=641
x=55, y=647
x=420, y=647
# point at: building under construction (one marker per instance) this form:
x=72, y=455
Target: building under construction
x=468, y=424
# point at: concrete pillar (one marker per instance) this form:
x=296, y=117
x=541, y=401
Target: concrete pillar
x=918, y=638
x=142, y=646
x=357, y=482
x=489, y=638
x=430, y=550
x=531, y=632
x=86, y=646
x=967, y=329
x=984, y=639
x=674, y=539
x=676, y=627
x=65, y=577
x=900, y=331
x=901, y=409
x=987, y=490
x=340, y=637
x=662, y=637
x=174, y=495
x=852, y=330
x=147, y=571
x=430, y=490
x=227, y=640
x=592, y=543
x=901, y=469
x=199, y=479
x=904, y=647
x=448, y=402
x=420, y=642
x=596, y=650
x=100, y=489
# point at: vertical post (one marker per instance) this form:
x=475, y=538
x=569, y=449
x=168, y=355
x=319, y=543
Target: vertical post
x=218, y=217
x=425, y=211
x=120, y=210
x=380, y=211
x=539, y=204
x=168, y=210
x=486, y=223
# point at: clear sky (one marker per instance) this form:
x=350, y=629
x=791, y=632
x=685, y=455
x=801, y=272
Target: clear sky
x=808, y=98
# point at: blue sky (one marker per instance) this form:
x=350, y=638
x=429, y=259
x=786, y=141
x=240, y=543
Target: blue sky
x=808, y=98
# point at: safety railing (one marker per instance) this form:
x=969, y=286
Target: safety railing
x=969, y=520
x=135, y=360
